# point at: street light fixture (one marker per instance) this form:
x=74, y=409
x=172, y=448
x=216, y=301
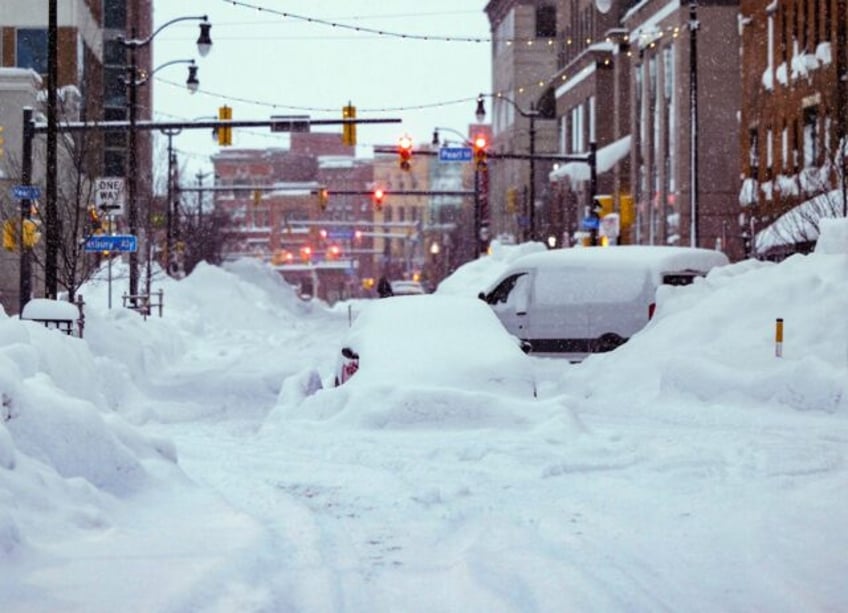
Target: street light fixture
x=530, y=114
x=192, y=84
x=204, y=44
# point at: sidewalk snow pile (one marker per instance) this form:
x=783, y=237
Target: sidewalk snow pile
x=70, y=444
x=714, y=341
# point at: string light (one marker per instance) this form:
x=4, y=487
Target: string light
x=313, y=109
x=377, y=31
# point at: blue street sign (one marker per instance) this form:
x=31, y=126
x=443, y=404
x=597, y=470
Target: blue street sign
x=455, y=154
x=114, y=242
x=591, y=223
x=26, y=192
x=340, y=234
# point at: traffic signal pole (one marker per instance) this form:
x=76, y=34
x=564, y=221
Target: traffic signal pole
x=25, y=287
x=31, y=128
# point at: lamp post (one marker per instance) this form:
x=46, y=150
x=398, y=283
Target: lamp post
x=530, y=114
x=693, y=122
x=204, y=44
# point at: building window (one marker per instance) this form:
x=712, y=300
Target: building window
x=810, y=136
x=115, y=14
x=754, y=152
x=546, y=21
x=32, y=50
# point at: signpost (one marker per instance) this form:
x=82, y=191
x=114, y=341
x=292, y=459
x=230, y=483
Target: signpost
x=455, y=154
x=109, y=194
x=111, y=242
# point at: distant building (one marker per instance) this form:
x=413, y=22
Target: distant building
x=279, y=215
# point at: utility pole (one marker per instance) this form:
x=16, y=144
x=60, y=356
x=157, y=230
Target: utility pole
x=53, y=232
x=694, y=228
x=25, y=288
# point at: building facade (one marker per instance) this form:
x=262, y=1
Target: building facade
x=524, y=56
x=793, y=121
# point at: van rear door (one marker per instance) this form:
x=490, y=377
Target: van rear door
x=557, y=322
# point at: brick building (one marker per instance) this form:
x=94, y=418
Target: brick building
x=793, y=120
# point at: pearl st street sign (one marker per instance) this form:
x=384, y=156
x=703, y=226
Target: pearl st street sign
x=455, y=154
x=111, y=242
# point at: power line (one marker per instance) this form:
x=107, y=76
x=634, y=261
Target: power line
x=355, y=28
x=277, y=105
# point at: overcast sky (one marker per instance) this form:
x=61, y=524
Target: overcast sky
x=263, y=63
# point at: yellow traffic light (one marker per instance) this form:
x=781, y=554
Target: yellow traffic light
x=10, y=235
x=31, y=233
x=225, y=133
x=349, y=129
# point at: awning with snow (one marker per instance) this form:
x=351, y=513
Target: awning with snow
x=607, y=157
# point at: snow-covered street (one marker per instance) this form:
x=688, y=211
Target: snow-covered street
x=178, y=464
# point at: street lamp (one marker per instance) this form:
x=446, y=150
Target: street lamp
x=191, y=84
x=530, y=114
x=204, y=44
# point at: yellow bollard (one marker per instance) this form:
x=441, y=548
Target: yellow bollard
x=778, y=337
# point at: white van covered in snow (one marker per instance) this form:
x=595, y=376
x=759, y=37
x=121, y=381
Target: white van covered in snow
x=573, y=302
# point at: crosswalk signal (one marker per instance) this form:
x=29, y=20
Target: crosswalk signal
x=225, y=133
x=405, y=151
x=480, y=154
x=349, y=129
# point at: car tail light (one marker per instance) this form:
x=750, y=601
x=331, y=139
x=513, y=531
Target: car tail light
x=651, y=308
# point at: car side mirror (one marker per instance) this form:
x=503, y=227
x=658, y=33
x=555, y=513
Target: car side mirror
x=349, y=353
x=482, y=296
x=526, y=346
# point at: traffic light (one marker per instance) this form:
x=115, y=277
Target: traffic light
x=10, y=235
x=378, y=199
x=405, y=151
x=306, y=253
x=96, y=224
x=334, y=252
x=349, y=129
x=31, y=233
x=256, y=196
x=480, y=155
x=225, y=133
x=323, y=198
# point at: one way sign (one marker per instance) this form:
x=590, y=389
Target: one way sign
x=109, y=194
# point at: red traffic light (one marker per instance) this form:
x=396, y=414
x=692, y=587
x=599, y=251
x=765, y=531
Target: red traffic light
x=378, y=197
x=405, y=151
x=480, y=144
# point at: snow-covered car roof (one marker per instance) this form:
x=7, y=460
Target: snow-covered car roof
x=437, y=341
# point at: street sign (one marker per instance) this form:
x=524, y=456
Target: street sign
x=455, y=154
x=340, y=234
x=111, y=242
x=26, y=192
x=109, y=194
x=591, y=223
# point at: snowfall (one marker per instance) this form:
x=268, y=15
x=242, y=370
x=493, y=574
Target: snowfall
x=192, y=462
